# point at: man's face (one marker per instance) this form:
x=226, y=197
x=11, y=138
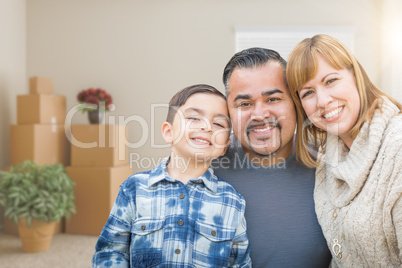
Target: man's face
x=262, y=111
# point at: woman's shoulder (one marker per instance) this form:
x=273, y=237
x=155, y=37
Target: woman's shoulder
x=393, y=133
x=391, y=149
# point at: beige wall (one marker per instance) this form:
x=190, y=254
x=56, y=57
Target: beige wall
x=391, y=40
x=12, y=70
x=145, y=51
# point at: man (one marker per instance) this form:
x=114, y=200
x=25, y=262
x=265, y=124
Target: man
x=282, y=225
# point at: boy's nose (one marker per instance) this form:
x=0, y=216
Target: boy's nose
x=206, y=129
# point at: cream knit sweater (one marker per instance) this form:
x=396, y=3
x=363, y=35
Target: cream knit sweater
x=358, y=193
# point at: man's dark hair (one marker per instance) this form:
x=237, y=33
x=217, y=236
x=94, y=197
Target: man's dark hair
x=180, y=98
x=250, y=58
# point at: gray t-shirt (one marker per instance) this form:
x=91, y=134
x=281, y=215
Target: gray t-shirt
x=282, y=226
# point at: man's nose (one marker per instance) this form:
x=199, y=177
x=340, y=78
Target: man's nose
x=260, y=112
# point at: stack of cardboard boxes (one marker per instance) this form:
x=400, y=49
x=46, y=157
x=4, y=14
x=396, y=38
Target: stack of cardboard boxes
x=39, y=133
x=98, y=166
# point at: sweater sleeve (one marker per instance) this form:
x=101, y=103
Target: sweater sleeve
x=393, y=199
x=396, y=194
x=397, y=219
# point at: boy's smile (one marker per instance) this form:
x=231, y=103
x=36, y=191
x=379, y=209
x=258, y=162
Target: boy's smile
x=201, y=141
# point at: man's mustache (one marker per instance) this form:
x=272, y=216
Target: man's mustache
x=253, y=125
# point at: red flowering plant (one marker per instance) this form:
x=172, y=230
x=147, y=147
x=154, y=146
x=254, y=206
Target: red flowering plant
x=92, y=99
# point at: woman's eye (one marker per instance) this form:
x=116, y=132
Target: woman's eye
x=306, y=93
x=193, y=118
x=330, y=81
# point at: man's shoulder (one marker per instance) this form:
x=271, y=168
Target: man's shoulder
x=227, y=188
x=234, y=151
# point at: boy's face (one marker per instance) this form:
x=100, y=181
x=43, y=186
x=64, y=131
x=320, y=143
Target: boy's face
x=200, y=128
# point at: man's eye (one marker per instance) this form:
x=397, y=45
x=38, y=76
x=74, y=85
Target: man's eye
x=243, y=104
x=272, y=99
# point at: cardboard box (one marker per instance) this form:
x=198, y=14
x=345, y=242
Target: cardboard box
x=98, y=145
x=11, y=228
x=95, y=192
x=44, y=144
x=40, y=85
x=41, y=109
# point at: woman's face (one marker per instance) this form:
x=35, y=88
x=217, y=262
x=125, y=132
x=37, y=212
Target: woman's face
x=331, y=100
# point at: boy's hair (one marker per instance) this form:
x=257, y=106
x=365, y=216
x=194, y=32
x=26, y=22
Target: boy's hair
x=180, y=98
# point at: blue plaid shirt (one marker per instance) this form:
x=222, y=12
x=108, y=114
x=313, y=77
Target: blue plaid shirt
x=157, y=221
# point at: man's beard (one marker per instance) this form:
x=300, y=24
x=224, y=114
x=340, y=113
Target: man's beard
x=277, y=125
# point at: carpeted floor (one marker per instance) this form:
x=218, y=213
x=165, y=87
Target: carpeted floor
x=66, y=250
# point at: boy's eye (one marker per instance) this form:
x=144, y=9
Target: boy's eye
x=219, y=125
x=193, y=118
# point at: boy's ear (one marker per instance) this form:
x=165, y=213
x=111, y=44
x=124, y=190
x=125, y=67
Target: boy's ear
x=226, y=148
x=167, y=132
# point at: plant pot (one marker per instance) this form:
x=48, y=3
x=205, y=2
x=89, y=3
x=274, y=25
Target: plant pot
x=95, y=116
x=36, y=238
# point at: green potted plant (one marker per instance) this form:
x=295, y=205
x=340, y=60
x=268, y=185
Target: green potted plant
x=36, y=197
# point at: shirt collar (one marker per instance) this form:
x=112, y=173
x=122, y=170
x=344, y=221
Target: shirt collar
x=160, y=173
x=209, y=179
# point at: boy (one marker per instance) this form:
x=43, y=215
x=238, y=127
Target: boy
x=180, y=214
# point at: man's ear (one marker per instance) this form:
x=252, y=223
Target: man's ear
x=226, y=148
x=167, y=132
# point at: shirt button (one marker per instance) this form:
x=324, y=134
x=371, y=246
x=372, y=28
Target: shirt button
x=143, y=228
x=182, y=196
x=213, y=233
x=177, y=251
x=180, y=222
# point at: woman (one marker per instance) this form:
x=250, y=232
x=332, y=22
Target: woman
x=357, y=130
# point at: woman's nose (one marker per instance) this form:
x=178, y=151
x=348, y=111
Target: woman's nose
x=323, y=98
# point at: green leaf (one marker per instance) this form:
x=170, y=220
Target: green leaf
x=37, y=191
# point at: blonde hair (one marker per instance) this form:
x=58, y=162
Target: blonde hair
x=302, y=67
